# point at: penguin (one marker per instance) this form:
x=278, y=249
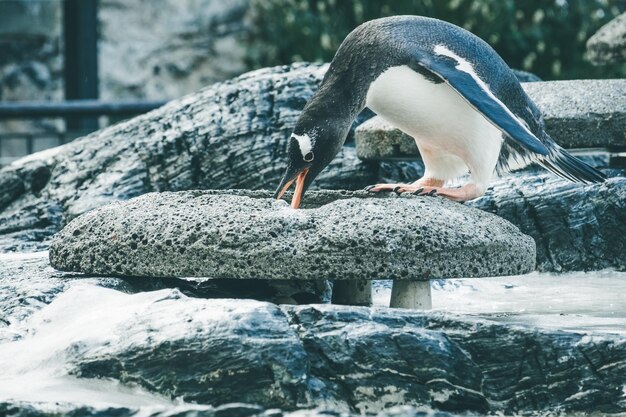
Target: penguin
x=443, y=86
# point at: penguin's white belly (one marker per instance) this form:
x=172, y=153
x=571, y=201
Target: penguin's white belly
x=451, y=135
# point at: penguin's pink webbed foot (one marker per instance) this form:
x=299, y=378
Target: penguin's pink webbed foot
x=461, y=194
x=406, y=188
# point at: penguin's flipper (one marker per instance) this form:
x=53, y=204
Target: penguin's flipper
x=459, y=74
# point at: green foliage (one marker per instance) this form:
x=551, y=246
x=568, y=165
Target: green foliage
x=546, y=37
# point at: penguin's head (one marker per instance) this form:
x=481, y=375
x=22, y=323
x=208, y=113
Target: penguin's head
x=309, y=152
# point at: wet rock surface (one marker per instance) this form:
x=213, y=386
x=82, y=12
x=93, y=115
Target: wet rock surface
x=28, y=283
x=576, y=227
x=334, y=236
x=229, y=135
x=346, y=359
x=577, y=113
x=608, y=45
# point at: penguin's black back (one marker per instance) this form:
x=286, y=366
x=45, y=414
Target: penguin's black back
x=379, y=44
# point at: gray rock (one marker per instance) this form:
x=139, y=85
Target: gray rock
x=576, y=227
x=577, y=113
x=516, y=369
x=338, y=235
x=583, y=113
x=229, y=135
x=377, y=140
x=345, y=359
x=21, y=409
x=608, y=45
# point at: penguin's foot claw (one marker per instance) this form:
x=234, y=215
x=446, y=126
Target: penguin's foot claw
x=385, y=187
x=427, y=193
x=464, y=193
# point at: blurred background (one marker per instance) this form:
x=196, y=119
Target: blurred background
x=68, y=67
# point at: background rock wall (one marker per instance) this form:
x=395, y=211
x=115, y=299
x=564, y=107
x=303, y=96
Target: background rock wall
x=163, y=49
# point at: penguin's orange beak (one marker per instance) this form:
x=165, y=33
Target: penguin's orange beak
x=297, y=195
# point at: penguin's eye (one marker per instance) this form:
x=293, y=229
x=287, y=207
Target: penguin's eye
x=309, y=156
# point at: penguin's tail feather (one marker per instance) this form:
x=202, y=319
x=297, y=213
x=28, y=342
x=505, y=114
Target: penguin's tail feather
x=567, y=166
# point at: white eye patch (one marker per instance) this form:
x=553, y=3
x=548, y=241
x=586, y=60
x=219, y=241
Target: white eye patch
x=305, y=144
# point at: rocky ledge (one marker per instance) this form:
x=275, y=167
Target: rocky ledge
x=577, y=113
x=576, y=227
x=352, y=359
x=233, y=135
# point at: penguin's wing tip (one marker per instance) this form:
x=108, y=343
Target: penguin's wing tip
x=459, y=73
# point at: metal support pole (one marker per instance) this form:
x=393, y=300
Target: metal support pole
x=80, y=34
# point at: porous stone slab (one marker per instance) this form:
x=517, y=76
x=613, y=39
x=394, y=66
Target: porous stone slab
x=577, y=113
x=249, y=235
x=608, y=45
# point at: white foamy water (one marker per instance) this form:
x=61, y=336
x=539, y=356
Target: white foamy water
x=35, y=367
x=572, y=301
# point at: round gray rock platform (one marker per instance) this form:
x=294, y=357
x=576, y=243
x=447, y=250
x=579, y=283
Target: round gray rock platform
x=248, y=235
x=577, y=113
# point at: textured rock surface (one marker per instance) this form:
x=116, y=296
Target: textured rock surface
x=576, y=227
x=608, y=45
x=578, y=114
x=377, y=139
x=201, y=141
x=217, y=235
x=349, y=359
x=229, y=135
x=583, y=113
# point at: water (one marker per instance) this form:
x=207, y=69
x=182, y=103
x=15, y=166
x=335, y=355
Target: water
x=573, y=301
